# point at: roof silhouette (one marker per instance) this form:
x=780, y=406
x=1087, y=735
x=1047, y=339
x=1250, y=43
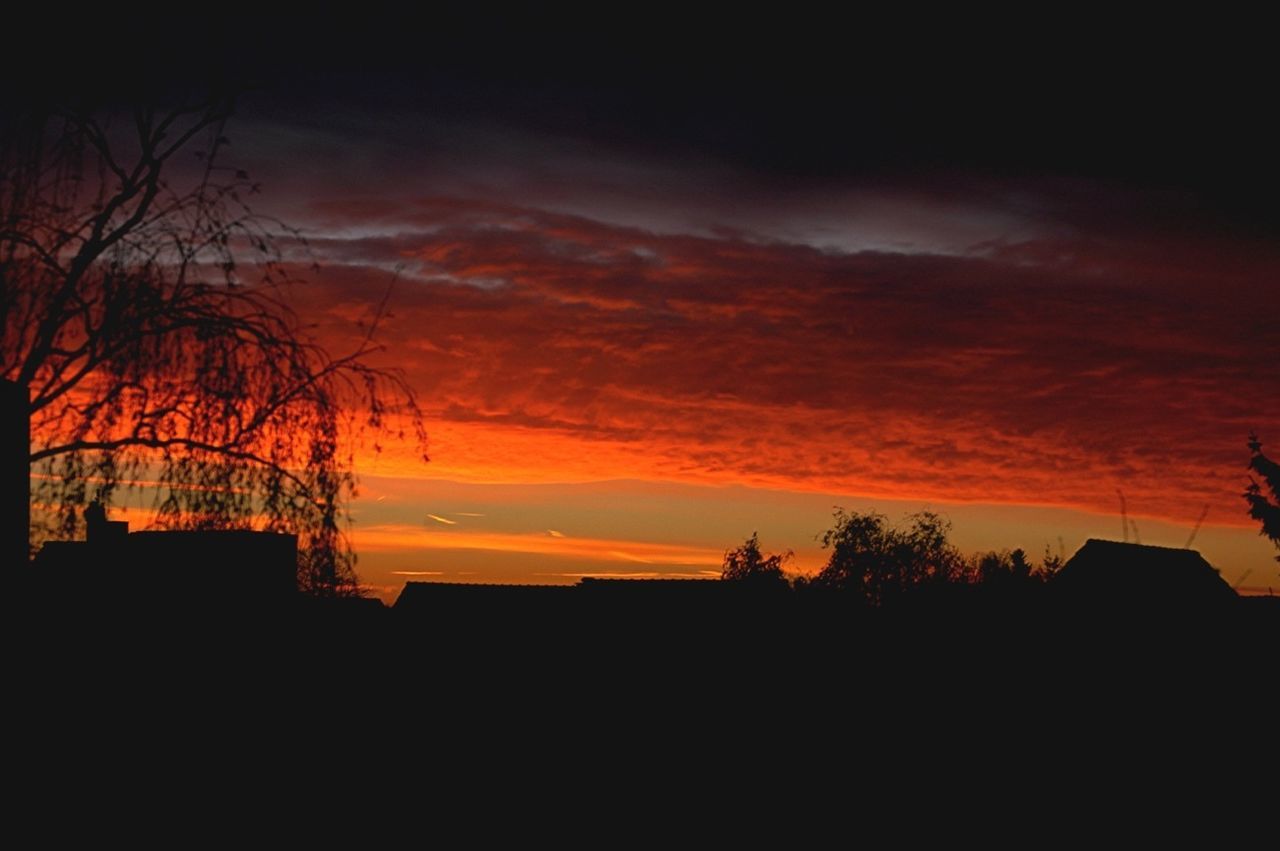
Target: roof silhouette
x=1122, y=572
x=214, y=567
x=430, y=596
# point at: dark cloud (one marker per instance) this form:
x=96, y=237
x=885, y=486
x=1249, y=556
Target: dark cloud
x=1178, y=113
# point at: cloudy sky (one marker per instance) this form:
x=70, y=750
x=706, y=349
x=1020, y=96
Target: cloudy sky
x=659, y=292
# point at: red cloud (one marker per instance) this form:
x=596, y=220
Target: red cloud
x=554, y=346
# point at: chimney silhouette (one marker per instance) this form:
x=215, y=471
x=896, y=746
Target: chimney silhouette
x=101, y=531
x=15, y=474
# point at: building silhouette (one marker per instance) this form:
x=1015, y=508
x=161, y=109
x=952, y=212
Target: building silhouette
x=1110, y=572
x=234, y=568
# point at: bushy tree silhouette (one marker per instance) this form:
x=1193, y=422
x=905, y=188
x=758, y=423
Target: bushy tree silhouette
x=1264, y=504
x=144, y=306
x=747, y=564
x=880, y=562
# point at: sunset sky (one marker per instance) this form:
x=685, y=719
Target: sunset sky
x=656, y=298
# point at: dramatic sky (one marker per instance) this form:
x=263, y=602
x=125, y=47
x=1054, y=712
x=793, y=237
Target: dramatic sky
x=657, y=294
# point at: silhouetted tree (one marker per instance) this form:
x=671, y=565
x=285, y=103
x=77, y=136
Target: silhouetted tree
x=144, y=305
x=880, y=562
x=747, y=564
x=1049, y=568
x=1003, y=567
x=1013, y=568
x=1264, y=505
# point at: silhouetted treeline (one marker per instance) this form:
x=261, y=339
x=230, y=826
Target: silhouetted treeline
x=879, y=563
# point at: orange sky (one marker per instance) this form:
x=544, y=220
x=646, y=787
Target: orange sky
x=1015, y=386
x=606, y=398
x=653, y=300
x=410, y=528
x=631, y=359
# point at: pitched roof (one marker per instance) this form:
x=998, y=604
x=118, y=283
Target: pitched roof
x=1110, y=569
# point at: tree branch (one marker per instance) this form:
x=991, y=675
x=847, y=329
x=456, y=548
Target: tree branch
x=165, y=444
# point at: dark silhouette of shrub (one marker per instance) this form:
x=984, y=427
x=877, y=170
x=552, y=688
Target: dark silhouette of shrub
x=748, y=565
x=880, y=562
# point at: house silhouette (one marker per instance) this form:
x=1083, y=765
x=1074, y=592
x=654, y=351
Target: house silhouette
x=234, y=568
x=1114, y=573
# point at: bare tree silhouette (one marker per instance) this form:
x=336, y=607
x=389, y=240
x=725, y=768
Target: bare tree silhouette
x=145, y=310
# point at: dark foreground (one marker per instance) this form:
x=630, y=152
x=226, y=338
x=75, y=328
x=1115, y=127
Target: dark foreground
x=619, y=719
x=519, y=650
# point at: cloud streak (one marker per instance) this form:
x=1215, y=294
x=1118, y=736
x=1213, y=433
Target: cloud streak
x=390, y=536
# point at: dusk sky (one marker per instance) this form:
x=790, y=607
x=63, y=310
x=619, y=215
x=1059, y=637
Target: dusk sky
x=656, y=298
